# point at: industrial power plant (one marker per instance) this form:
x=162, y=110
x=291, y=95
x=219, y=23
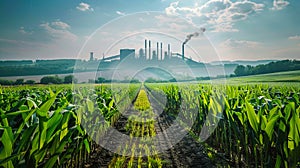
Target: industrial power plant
x=150, y=53
x=152, y=57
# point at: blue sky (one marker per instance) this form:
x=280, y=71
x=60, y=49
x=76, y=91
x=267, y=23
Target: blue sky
x=235, y=29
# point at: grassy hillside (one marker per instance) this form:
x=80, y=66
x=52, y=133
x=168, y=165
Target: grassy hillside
x=289, y=76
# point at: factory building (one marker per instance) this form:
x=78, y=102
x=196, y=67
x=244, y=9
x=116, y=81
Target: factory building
x=142, y=55
x=127, y=53
x=156, y=54
x=150, y=52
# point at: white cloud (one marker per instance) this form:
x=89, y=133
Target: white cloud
x=241, y=49
x=279, y=4
x=172, y=9
x=171, y=24
x=58, y=30
x=219, y=15
x=84, y=7
x=230, y=43
x=22, y=30
x=223, y=27
x=296, y=37
x=60, y=25
x=120, y=13
x=25, y=32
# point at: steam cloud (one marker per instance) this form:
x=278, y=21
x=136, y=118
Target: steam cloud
x=196, y=34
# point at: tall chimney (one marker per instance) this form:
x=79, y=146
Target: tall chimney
x=161, y=52
x=150, y=50
x=169, y=51
x=182, y=54
x=145, y=49
x=91, y=56
x=166, y=55
x=157, y=50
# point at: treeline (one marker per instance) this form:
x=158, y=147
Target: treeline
x=25, y=70
x=152, y=80
x=57, y=80
x=45, y=80
x=38, y=67
x=66, y=80
x=278, y=66
x=103, y=80
x=44, y=67
x=17, y=82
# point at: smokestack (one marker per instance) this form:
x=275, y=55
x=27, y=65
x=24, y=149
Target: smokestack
x=182, y=49
x=169, y=51
x=157, y=50
x=150, y=49
x=166, y=55
x=145, y=49
x=189, y=37
x=91, y=56
x=161, y=52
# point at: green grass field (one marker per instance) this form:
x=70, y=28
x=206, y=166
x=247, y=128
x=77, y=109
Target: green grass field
x=258, y=125
x=285, y=78
x=289, y=76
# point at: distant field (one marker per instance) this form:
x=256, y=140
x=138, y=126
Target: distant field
x=251, y=124
x=290, y=76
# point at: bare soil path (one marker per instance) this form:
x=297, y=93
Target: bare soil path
x=185, y=153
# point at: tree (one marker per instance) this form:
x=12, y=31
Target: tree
x=101, y=80
x=240, y=70
x=19, y=82
x=30, y=82
x=51, y=79
x=70, y=79
x=150, y=80
x=249, y=70
x=134, y=81
x=6, y=82
x=173, y=80
x=278, y=66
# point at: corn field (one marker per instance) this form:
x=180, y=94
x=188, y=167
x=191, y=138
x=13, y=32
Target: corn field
x=259, y=125
x=52, y=126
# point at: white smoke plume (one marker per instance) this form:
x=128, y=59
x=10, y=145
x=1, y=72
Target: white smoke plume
x=196, y=34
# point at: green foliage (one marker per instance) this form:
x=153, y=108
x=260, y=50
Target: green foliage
x=42, y=127
x=29, y=82
x=51, y=80
x=140, y=124
x=70, y=79
x=39, y=67
x=278, y=66
x=258, y=125
x=19, y=81
x=284, y=77
x=240, y=70
x=6, y=82
x=142, y=103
